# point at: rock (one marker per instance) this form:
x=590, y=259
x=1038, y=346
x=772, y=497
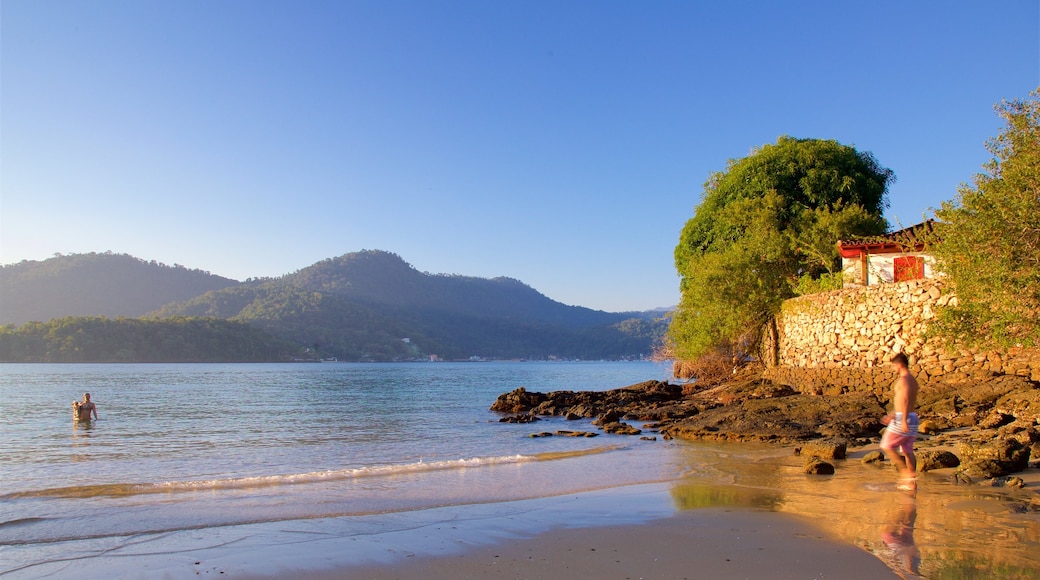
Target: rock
x=929, y=459
x=542, y=434
x=621, y=429
x=995, y=459
x=873, y=457
x=928, y=427
x=519, y=419
x=645, y=438
x=995, y=419
x=1012, y=482
x=825, y=449
x=817, y=467
x=565, y=433
x=961, y=478
x=517, y=401
x=611, y=416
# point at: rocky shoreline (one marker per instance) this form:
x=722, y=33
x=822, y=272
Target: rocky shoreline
x=986, y=430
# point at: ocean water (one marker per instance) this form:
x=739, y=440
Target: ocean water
x=194, y=459
x=185, y=446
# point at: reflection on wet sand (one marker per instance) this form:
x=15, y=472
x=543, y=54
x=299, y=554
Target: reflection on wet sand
x=903, y=556
x=942, y=530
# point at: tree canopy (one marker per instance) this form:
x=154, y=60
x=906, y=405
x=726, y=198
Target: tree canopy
x=989, y=239
x=768, y=220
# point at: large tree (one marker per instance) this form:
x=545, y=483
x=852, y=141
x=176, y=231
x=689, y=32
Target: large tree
x=990, y=239
x=768, y=220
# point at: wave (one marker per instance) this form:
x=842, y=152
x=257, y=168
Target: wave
x=233, y=483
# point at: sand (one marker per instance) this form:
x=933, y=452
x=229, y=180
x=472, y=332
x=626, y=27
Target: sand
x=706, y=544
x=632, y=532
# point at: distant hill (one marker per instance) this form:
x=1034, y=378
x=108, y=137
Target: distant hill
x=96, y=285
x=368, y=305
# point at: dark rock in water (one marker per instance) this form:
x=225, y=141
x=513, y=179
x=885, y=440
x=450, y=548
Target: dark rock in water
x=930, y=459
x=565, y=433
x=825, y=449
x=961, y=478
x=611, y=416
x=645, y=438
x=995, y=459
x=621, y=429
x=873, y=457
x=817, y=467
x=542, y=434
x=517, y=401
x=519, y=419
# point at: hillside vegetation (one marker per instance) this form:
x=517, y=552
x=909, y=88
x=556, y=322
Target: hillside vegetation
x=368, y=305
x=96, y=285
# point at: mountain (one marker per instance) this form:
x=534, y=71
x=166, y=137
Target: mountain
x=368, y=305
x=96, y=285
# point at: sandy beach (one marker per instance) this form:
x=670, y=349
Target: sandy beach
x=710, y=543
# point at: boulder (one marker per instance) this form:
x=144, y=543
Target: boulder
x=930, y=459
x=825, y=449
x=519, y=419
x=621, y=429
x=996, y=419
x=517, y=401
x=817, y=467
x=928, y=427
x=873, y=457
x=565, y=433
x=996, y=459
x=1012, y=482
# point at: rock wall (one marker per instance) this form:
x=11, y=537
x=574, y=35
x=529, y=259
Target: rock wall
x=841, y=341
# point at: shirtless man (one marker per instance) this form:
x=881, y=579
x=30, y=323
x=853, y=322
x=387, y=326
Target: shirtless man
x=81, y=410
x=902, y=424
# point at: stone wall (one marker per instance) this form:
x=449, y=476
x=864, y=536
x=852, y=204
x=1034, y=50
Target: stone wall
x=841, y=341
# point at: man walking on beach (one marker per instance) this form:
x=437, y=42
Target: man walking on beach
x=902, y=424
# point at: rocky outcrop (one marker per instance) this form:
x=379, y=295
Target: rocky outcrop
x=992, y=426
x=996, y=459
x=648, y=401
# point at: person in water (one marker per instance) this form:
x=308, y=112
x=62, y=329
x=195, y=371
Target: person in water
x=82, y=410
x=902, y=423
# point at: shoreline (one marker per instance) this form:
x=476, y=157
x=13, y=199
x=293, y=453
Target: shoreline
x=756, y=515
x=709, y=543
x=637, y=531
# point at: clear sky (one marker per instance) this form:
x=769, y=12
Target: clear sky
x=562, y=143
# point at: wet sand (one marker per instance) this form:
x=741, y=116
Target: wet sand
x=749, y=517
x=711, y=543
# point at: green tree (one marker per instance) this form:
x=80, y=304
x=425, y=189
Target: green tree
x=770, y=219
x=989, y=239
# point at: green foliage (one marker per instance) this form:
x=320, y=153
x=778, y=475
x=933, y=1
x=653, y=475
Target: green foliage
x=989, y=239
x=357, y=307
x=768, y=220
x=94, y=284
x=100, y=339
x=825, y=283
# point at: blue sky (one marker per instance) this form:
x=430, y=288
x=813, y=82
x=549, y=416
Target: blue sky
x=562, y=143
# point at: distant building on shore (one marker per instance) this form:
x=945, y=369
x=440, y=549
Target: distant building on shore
x=894, y=257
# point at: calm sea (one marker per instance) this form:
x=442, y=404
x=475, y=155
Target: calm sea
x=185, y=446
x=184, y=453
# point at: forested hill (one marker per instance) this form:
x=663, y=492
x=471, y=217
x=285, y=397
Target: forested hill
x=362, y=305
x=96, y=285
x=368, y=305
x=384, y=279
